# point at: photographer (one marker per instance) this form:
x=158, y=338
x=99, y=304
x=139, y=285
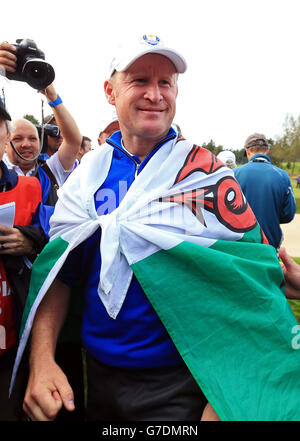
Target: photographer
x=62, y=162
x=19, y=245
x=52, y=173
x=52, y=139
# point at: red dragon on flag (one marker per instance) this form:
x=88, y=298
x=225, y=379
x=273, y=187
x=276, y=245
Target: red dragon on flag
x=225, y=198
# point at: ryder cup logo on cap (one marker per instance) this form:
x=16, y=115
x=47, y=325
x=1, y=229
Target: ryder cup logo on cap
x=130, y=51
x=151, y=39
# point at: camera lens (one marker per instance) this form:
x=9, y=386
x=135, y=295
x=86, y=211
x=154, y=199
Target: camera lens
x=38, y=73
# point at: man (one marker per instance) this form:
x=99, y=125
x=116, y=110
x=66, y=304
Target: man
x=85, y=147
x=144, y=95
x=228, y=157
x=22, y=156
x=107, y=127
x=18, y=241
x=26, y=141
x=267, y=188
x=174, y=231
x=51, y=142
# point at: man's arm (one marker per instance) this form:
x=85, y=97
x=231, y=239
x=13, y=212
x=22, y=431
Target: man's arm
x=48, y=388
x=72, y=137
x=288, y=208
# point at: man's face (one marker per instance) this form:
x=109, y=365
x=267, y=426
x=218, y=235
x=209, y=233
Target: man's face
x=4, y=136
x=54, y=142
x=26, y=141
x=87, y=146
x=145, y=97
x=110, y=129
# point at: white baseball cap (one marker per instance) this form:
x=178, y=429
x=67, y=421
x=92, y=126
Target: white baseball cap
x=110, y=117
x=227, y=157
x=129, y=52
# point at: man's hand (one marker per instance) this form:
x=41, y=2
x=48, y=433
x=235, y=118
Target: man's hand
x=15, y=243
x=48, y=388
x=47, y=391
x=292, y=275
x=8, y=60
x=50, y=93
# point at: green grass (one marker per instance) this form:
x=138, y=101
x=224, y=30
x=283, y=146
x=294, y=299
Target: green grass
x=295, y=304
x=293, y=178
x=296, y=171
x=297, y=194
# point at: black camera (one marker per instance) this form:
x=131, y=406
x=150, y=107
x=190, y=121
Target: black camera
x=49, y=130
x=31, y=65
x=44, y=131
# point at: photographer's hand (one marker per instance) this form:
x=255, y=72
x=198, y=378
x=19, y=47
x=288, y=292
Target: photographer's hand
x=7, y=59
x=50, y=92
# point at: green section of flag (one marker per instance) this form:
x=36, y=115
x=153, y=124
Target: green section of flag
x=228, y=317
x=253, y=235
x=40, y=270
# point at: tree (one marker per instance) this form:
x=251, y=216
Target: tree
x=287, y=147
x=32, y=119
x=240, y=156
x=211, y=146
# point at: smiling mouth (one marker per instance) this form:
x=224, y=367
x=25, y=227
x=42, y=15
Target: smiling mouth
x=27, y=154
x=152, y=110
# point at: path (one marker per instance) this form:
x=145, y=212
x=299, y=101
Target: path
x=291, y=236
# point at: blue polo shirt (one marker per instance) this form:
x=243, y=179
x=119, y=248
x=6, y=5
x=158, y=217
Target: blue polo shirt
x=136, y=338
x=269, y=191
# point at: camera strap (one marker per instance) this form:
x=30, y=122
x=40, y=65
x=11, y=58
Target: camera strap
x=49, y=173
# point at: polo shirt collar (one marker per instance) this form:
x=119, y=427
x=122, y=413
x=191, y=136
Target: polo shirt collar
x=260, y=158
x=116, y=139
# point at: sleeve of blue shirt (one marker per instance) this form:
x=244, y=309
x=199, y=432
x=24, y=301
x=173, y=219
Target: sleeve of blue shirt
x=289, y=206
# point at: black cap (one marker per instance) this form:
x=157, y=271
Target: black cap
x=3, y=111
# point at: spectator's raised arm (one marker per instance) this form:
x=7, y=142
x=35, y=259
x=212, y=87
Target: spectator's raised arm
x=72, y=137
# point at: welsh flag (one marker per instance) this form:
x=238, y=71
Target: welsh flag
x=186, y=231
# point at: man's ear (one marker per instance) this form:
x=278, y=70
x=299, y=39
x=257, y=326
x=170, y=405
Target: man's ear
x=8, y=138
x=109, y=92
